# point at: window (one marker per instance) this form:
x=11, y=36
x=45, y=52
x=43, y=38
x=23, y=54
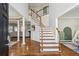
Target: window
x=15, y=28
x=10, y=29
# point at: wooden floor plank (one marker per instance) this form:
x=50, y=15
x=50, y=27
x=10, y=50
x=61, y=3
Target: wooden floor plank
x=33, y=50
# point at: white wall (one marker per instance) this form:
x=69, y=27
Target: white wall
x=35, y=35
x=45, y=20
x=13, y=12
x=73, y=23
x=56, y=10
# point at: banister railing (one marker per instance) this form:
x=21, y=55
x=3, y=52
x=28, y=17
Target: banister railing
x=36, y=17
x=34, y=12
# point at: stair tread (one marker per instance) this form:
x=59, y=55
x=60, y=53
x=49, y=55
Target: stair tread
x=46, y=33
x=50, y=52
x=47, y=39
x=46, y=36
x=49, y=47
x=48, y=43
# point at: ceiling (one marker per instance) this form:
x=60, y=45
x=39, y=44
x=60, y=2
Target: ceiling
x=13, y=12
x=74, y=12
x=13, y=15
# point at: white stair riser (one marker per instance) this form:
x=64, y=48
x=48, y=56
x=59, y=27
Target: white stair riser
x=47, y=34
x=46, y=30
x=56, y=49
x=48, y=41
x=47, y=38
x=50, y=45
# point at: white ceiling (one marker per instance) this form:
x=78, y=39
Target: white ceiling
x=72, y=13
x=13, y=15
x=13, y=12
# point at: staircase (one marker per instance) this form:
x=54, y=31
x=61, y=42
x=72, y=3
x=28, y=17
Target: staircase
x=47, y=40
x=35, y=17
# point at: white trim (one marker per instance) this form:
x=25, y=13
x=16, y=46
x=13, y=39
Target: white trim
x=23, y=31
x=13, y=20
x=18, y=32
x=15, y=17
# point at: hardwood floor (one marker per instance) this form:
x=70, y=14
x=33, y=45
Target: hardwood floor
x=32, y=49
x=67, y=51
